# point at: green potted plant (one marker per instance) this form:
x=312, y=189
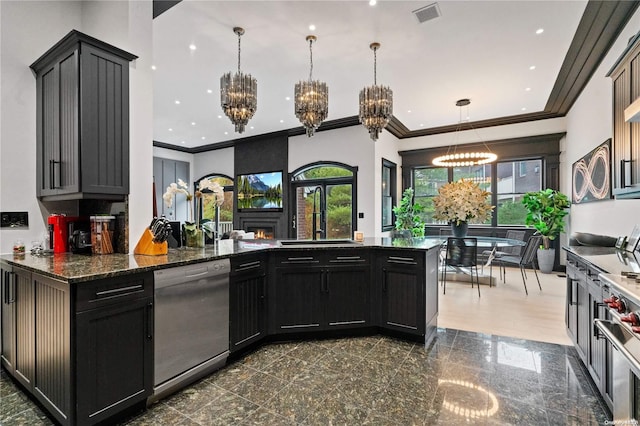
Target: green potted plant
x=546, y=210
x=408, y=220
x=460, y=203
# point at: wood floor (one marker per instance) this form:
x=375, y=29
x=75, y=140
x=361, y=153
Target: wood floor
x=506, y=310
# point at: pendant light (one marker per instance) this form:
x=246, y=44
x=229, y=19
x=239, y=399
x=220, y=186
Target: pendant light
x=239, y=94
x=459, y=159
x=311, y=98
x=376, y=102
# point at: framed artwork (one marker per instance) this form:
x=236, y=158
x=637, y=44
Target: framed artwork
x=632, y=242
x=592, y=175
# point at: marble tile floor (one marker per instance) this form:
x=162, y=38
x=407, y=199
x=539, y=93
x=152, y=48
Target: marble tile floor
x=462, y=378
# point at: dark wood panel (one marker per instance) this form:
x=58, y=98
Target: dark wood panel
x=297, y=291
x=53, y=346
x=400, y=310
x=247, y=310
x=67, y=172
x=620, y=130
x=25, y=368
x=8, y=318
x=348, y=300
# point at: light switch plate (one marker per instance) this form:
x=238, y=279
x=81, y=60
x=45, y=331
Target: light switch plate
x=14, y=219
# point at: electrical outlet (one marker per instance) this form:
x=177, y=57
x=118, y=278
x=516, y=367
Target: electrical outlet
x=14, y=219
x=361, y=215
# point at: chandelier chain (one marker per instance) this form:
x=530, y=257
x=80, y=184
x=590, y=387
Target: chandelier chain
x=375, y=66
x=239, y=35
x=310, y=59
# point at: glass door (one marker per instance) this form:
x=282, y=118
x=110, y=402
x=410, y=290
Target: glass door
x=323, y=211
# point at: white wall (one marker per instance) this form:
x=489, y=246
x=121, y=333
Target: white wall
x=352, y=146
x=219, y=161
x=589, y=123
x=28, y=29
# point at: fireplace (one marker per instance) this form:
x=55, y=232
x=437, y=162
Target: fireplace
x=262, y=232
x=263, y=228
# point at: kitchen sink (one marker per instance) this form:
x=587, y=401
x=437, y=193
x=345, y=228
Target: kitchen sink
x=318, y=243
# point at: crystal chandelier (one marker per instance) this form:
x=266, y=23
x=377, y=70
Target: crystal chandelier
x=239, y=93
x=460, y=159
x=311, y=98
x=376, y=103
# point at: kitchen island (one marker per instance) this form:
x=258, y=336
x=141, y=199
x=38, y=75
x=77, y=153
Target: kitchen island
x=78, y=330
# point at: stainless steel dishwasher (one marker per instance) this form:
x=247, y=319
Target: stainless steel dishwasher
x=191, y=323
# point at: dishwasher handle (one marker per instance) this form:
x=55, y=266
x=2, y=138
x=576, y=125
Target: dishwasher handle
x=604, y=327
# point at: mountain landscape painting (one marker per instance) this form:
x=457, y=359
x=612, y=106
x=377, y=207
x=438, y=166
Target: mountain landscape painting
x=260, y=191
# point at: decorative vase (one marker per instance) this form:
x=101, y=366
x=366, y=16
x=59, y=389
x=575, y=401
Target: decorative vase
x=546, y=259
x=459, y=230
x=195, y=238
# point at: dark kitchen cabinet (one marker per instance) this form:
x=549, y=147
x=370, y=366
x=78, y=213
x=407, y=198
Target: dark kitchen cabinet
x=247, y=297
x=625, y=76
x=320, y=290
x=82, y=89
x=114, y=326
x=585, y=295
x=18, y=324
x=401, y=285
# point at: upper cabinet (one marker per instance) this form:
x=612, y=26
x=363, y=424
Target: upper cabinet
x=82, y=87
x=625, y=76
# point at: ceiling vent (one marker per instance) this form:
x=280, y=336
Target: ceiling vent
x=427, y=13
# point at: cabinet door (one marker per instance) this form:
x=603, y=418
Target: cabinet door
x=597, y=347
x=7, y=291
x=571, y=315
x=621, y=130
x=114, y=358
x=296, y=298
x=25, y=327
x=402, y=298
x=584, y=327
x=346, y=290
x=247, y=291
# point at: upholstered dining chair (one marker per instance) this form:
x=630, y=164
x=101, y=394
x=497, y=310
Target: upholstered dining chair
x=528, y=258
x=461, y=253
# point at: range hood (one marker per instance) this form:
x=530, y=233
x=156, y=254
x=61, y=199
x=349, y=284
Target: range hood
x=632, y=112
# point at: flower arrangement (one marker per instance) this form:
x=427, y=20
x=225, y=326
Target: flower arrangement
x=173, y=189
x=462, y=201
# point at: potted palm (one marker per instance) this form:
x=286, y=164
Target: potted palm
x=546, y=210
x=408, y=220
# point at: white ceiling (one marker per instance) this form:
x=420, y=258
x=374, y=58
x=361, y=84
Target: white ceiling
x=482, y=50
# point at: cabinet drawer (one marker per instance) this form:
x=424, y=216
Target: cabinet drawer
x=244, y=266
x=300, y=257
x=404, y=257
x=341, y=257
x=95, y=294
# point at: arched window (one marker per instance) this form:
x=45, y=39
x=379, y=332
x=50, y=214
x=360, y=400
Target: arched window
x=323, y=201
x=208, y=207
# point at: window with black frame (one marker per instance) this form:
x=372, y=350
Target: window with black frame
x=389, y=191
x=426, y=181
x=513, y=180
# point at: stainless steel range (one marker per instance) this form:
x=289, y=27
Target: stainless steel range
x=623, y=332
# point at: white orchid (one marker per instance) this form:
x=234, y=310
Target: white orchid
x=215, y=189
x=172, y=189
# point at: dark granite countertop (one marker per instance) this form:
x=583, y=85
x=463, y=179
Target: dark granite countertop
x=74, y=268
x=608, y=259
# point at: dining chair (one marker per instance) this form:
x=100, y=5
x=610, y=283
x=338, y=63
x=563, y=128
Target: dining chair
x=528, y=258
x=504, y=251
x=461, y=253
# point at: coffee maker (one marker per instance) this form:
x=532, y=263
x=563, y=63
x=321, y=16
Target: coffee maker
x=61, y=227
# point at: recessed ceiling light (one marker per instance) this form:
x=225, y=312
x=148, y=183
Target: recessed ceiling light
x=528, y=89
x=203, y=138
x=219, y=116
x=523, y=109
x=251, y=127
x=287, y=98
x=182, y=142
x=170, y=129
x=372, y=2
x=192, y=46
x=177, y=102
x=209, y=91
x=532, y=67
x=282, y=121
x=312, y=27
x=153, y=67
x=226, y=133
x=193, y=123
x=539, y=30
x=409, y=111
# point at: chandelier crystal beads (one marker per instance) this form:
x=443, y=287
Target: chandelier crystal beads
x=376, y=102
x=311, y=98
x=238, y=94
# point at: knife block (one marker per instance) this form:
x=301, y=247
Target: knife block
x=147, y=246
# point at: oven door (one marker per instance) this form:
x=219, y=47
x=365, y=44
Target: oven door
x=626, y=369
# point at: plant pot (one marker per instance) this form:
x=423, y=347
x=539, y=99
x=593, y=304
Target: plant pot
x=459, y=230
x=546, y=259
